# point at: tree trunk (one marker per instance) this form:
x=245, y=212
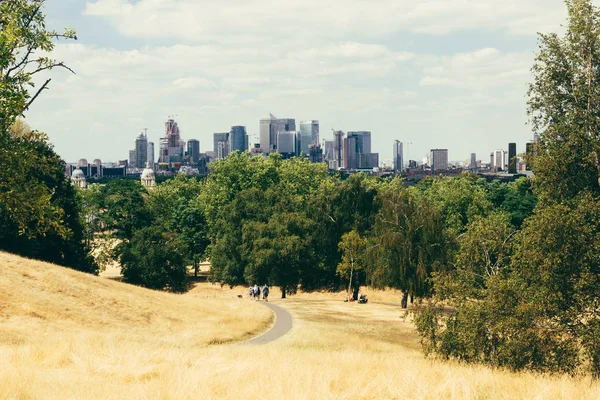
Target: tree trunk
x=196, y=264
x=283, y=293
x=355, y=292
x=404, y=303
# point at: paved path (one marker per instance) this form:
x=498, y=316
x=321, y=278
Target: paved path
x=282, y=325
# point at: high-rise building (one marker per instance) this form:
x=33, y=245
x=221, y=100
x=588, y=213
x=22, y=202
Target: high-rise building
x=150, y=155
x=398, y=156
x=309, y=134
x=439, y=159
x=473, y=164
x=172, y=148
x=315, y=153
x=512, y=158
x=238, y=139
x=357, y=151
x=328, y=153
x=141, y=150
x=221, y=144
x=286, y=142
x=132, y=158
x=499, y=160
x=193, y=151
x=270, y=128
x=338, y=150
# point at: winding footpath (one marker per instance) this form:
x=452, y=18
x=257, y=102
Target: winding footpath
x=282, y=325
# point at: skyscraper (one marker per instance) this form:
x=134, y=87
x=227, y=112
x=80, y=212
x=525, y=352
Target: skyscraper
x=141, y=151
x=221, y=144
x=193, y=151
x=172, y=148
x=338, y=150
x=499, y=157
x=309, y=134
x=439, y=159
x=132, y=159
x=238, y=139
x=150, y=155
x=270, y=128
x=398, y=156
x=357, y=151
x=512, y=158
x=473, y=164
x=286, y=142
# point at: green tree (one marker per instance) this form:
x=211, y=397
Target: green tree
x=24, y=41
x=564, y=107
x=352, y=247
x=408, y=241
x=154, y=259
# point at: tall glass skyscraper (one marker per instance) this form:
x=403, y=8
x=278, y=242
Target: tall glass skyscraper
x=270, y=128
x=398, y=156
x=193, y=150
x=141, y=151
x=238, y=139
x=309, y=134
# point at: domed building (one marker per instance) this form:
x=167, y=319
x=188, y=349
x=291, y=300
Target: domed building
x=148, y=177
x=78, y=178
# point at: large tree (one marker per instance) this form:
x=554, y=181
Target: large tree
x=564, y=107
x=24, y=45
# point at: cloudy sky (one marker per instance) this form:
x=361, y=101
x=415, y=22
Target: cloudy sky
x=434, y=73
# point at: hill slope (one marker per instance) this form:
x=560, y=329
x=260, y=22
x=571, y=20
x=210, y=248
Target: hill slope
x=72, y=323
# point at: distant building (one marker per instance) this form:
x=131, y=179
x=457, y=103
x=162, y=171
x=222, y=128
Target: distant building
x=286, y=142
x=398, y=156
x=328, y=153
x=512, y=158
x=193, y=151
x=338, y=150
x=315, y=153
x=238, y=139
x=172, y=147
x=150, y=154
x=473, y=164
x=132, y=158
x=357, y=152
x=148, y=177
x=438, y=159
x=141, y=150
x=499, y=160
x=78, y=178
x=309, y=134
x=221, y=144
x=269, y=130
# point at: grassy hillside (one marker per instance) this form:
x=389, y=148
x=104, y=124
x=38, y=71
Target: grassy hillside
x=56, y=322
x=64, y=335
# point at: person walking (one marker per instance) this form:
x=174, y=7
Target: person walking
x=265, y=291
x=256, y=293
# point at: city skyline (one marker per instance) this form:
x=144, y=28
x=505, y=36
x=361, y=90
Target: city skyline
x=418, y=74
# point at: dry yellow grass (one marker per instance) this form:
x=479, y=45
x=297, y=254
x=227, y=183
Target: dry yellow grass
x=336, y=350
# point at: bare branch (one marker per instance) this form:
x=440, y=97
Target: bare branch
x=44, y=86
x=60, y=64
x=22, y=62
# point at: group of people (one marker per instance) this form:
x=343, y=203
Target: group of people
x=255, y=291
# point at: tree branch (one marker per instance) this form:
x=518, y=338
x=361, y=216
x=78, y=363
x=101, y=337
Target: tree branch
x=44, y=86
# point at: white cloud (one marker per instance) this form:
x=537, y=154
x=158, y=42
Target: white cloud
x=269, y=20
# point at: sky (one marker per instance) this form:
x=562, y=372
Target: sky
x=431, y=73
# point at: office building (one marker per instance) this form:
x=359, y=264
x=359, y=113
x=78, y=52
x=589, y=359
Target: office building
x=221, y=144
x=193, y=151
x=473, y=164
x=512, y=158
x=287, y=142
x=338, y=150
x=309, y=134
x=328, y=153
x=172, y=147
x=150, y=154
x=238, y=139
x=357, y=152
x=132, y=159
x=499, y=160
x=315, y=153
x=141, y=150
x=270, y=128
x=438, y=159
x=398, y=156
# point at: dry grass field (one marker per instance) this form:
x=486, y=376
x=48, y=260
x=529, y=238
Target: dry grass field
x=336, y=350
